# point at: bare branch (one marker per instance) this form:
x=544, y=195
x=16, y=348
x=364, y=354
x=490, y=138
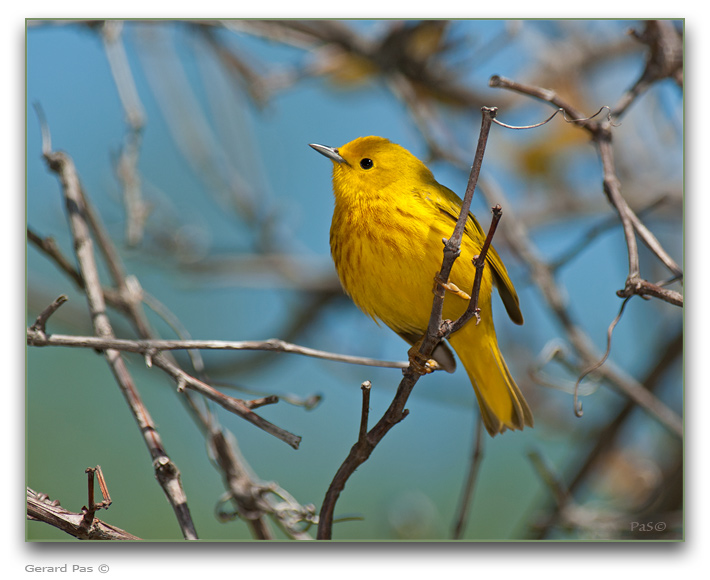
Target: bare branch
x=255, y=499
x=152, y=347
x=642, y=287
x=543, y=276
x=607, y=437
x=49, y=247
x=422, y=351
x=601, y=135
x=236, y=406
x=40, y=324
x=166, y=472
x=41, y=509
x=366, y=387
x=129, y=298
x=664, y=60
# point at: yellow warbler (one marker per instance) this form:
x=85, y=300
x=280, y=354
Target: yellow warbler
x=389, y=219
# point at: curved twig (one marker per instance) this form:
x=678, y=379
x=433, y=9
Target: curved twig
x=578, y=407
x=559, y=110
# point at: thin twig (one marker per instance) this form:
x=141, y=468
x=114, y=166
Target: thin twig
x=467, y=492
x=559, y=491
x=541, y=123
x=40, y=324
x=253, y=498
x=152, y=347
x=641, y=287
x=480, y=263
x=664, y=60
x=497, y=81
x=49, y=247
x=601, y=227
x=452, y=246
x=137, y=210
x=90, y=509
x=236, y=406
x=96, y=473
x=600, y=362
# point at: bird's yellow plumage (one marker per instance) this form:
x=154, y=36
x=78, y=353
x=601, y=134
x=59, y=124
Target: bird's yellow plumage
x=389, y=219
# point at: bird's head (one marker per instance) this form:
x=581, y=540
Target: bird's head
x=374, y=166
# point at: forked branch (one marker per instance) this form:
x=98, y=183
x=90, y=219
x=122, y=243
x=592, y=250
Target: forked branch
x=437, y=330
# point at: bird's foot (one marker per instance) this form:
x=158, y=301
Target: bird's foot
x=421, y=364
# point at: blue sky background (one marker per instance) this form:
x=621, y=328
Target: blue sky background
x=422, y=462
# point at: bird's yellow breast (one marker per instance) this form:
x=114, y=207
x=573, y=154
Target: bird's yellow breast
x=387, y=251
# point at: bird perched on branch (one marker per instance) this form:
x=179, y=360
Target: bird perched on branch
x=386, y=241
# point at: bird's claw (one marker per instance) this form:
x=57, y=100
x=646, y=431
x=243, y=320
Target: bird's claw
x=421, y=364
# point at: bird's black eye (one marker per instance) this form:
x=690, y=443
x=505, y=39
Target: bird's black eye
x=366, y=163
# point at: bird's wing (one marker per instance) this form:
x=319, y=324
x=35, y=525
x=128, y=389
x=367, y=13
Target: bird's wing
x=449, y=204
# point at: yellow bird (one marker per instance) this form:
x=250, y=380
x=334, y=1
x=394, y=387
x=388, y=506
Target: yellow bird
x=389, y=219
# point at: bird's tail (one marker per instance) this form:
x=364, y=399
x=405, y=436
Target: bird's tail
x=502, y=404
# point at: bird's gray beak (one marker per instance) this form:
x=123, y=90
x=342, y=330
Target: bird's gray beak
x=329, y=152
